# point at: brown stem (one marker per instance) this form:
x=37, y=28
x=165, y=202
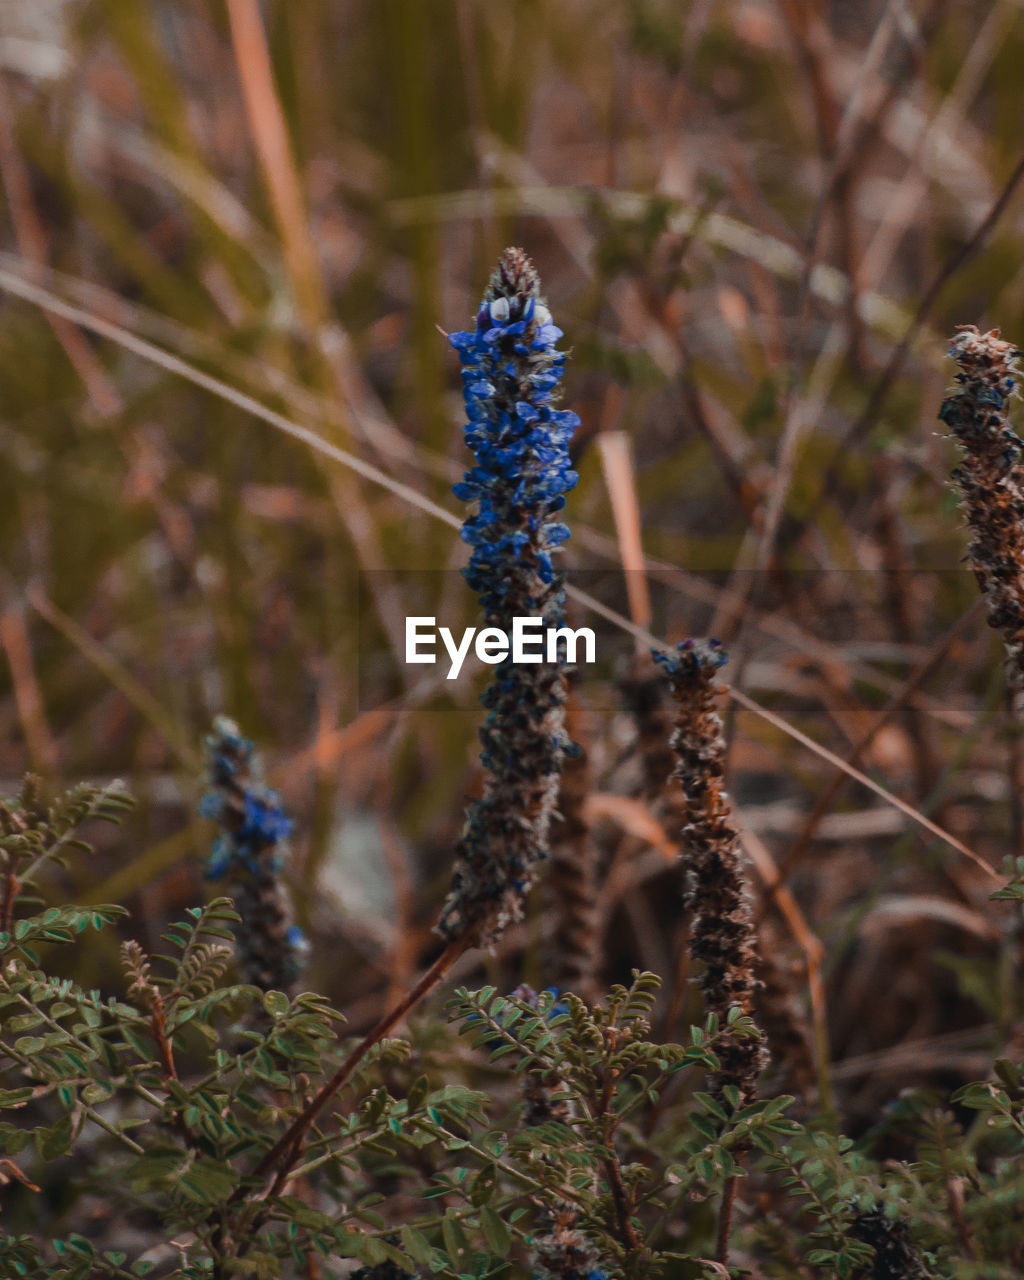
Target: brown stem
x=725, y=1218
x=158, y=1025
x=612, y=1168
x=880, y=392
x=955, y=1201
x=10, y=896
x=286, y=1151
x=618, y=1190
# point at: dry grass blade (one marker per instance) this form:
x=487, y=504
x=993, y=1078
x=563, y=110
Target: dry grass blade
x=119, y=676
x=271, y=135
x=621, y=481
x=28, y=696
x=894, y=366
x=181, y=368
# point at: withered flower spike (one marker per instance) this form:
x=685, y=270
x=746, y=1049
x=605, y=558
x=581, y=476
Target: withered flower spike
x=721, y=936
x=991, y=482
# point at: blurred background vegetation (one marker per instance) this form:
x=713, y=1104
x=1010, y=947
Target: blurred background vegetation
x=757, y=222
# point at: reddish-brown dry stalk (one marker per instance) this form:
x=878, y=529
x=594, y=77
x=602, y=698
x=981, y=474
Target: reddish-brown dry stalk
x=284, y=1154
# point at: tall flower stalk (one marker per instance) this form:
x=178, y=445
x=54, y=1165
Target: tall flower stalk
x=991, y=482
x=511, y=373
x=721, y=935
x=721, y=932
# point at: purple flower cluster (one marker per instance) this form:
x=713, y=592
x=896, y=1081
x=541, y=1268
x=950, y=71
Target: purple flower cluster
x=249, y=812
x=249, y=852
x=511, y=372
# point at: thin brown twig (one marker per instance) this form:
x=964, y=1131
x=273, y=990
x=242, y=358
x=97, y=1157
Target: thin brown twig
x=955, y=1202
x=286, y=1151
x=811, y=946
x=849, y=144
x=11, y=889
x=403, y=957
x=620, y=481
x=798, y=848
x=920, y=818
x=809, y=35
x=896, y=584
x=731, y=468
x=150, y=996
x=855, y=435
x=28, y=696
x=612, y=1168
x=618, y=1190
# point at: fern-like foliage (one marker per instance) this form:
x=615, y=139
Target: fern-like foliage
x=33, y=832
x=611, y=1080
x=592, y=1150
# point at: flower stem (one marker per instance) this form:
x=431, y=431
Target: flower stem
x=287, y=1150
x=725, y=1218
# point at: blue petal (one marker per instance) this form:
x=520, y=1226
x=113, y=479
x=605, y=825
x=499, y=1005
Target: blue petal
x=556, y=533
x=211, y=806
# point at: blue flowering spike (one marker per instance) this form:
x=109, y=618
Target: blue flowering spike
x=511, y=371
x=249, y=853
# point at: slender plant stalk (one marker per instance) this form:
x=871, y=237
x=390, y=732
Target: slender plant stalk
x=721, y=933
x=285, y=1153
x=725, y=1218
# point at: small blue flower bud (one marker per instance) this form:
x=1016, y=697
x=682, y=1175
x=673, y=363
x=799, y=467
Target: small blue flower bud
x=248, y=852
